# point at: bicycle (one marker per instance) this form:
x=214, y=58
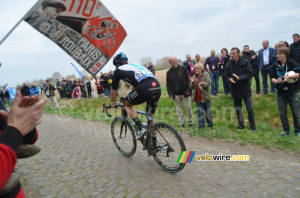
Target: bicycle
x=165, y=150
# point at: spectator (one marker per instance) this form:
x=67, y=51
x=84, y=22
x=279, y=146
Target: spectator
x=58, y=87
x=80, y=85
x=265, y=62
x=189, y=64
x=25, y=90
x=295, y=48
x=286, y=92
x=238, y=72
x=34, y=90
x=213, y=70
x=99, y=84
x=94, y=87
x=295, y=51
x=42, y=87
x=77, y=92
x=84, y=87
x=274, y=56
x=225, y=58
x=178, y=90
x=151, y=67
x=198, y=59
x=278, y=45
x=286, y=44
x=89, y=88
x=106, y=86
x=200, y=83
x=74, y=83
x=252, y=58
x=63, y=90
x=7, y=97
x=69, y=88
x=14, y=127
x=110, y=77
x=2, y=96
x=49, y=92
x=2, y=106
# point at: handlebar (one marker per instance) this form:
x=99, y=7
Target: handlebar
x=109, y=107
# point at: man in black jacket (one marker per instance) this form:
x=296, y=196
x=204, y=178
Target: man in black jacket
x=106, y=86
x=251, y=56
x=178, y=89
x=295, y=48
x=238, y=72
x=25, y=90
x=151, y=67
x=295, y=51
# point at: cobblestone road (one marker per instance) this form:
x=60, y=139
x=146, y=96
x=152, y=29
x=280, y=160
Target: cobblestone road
x=79, y=159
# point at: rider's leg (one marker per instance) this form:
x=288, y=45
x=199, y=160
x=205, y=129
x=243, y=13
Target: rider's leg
x=152, y=116
x=133, y=114
x=130, y=111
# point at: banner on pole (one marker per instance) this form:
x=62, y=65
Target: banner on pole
x=85, y=29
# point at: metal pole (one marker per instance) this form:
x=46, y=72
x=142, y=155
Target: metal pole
x=24, y=17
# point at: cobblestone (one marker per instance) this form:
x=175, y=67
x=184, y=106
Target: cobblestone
x=79, y=159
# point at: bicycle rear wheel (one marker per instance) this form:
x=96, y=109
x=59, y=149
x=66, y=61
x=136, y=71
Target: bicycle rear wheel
x=123, y=136
x=168, y=148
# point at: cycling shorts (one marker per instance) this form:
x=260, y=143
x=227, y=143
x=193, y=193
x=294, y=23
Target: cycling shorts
x=148, y=91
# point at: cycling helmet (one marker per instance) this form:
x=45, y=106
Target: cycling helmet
x=120, y=59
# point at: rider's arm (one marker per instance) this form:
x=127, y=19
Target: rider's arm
x=132, y=88
x=113, y=97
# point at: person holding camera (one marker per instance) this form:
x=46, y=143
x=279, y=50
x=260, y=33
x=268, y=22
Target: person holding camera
x=284, y=73
x=49, y=92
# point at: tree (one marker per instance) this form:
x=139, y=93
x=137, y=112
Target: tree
x=56, y=75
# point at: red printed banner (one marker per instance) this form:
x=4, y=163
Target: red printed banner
x=85, y=29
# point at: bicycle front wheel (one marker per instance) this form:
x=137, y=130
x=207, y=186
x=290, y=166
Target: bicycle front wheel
x=168, y=148
x=123, y=136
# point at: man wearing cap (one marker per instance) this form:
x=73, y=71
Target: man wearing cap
x=50, y=10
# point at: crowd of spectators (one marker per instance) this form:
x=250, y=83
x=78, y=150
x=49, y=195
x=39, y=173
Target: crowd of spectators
x=236, y=70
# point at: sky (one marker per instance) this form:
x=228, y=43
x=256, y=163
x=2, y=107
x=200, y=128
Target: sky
x=154, y=29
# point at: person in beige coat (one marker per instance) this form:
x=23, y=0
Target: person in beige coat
x=200, y=84
x=94, y=87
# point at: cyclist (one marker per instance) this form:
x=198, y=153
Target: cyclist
x=145, y=88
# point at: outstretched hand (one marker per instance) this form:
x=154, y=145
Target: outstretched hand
x=25, y=114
